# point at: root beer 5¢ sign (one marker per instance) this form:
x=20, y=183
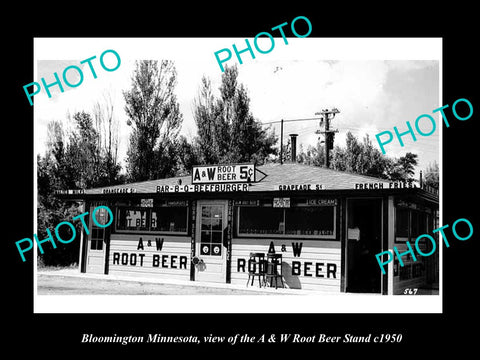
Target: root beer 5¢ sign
x=236, y=173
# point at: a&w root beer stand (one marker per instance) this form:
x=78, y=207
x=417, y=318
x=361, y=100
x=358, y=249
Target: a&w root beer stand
x=326, y=225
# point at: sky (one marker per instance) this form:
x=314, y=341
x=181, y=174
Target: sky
x=375, y=83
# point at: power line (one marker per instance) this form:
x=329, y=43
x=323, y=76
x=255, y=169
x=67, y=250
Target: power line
x=281, y=129
x=425, y=147
x=289, y=120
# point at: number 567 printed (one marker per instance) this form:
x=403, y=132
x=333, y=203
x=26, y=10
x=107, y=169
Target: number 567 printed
x=409, y=291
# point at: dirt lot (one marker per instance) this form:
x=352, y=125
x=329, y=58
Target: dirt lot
x=70, y=282
x=56, y=284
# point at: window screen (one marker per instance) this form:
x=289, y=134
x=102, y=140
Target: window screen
x=315, y=221
x=156, y=219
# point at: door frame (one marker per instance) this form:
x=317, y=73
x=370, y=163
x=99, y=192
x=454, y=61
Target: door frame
x=88, y=242
x=225, y=204
x=383, y=228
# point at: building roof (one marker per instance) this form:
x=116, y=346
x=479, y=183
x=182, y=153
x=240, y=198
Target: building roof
x=271, y=177
x=292, y=173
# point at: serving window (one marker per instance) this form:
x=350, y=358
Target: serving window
x=299, y=219
x=310, y=220
x=411, y=223
x=161, y=219
x=419, y=223
x=261, y=220
x=170, y=219
x=402, y=224
x=132, y=219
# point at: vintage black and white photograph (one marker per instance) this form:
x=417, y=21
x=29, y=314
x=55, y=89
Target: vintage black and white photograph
x=178, y=169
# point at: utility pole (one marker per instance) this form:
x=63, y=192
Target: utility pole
x=327, y=115
x=281, y=142
x=290, y=120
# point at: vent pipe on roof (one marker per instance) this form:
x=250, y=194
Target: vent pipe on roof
x=293, y=145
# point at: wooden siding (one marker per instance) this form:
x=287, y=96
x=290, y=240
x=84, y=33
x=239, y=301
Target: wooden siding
x=172, y=261
x=314, y=266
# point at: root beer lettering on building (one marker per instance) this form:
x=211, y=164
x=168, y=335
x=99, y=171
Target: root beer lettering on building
x=165, y=261
x=298, y=268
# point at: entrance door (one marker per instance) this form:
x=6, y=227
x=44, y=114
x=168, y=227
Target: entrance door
x=97, y=243
x=364, y=241
x=211, y=225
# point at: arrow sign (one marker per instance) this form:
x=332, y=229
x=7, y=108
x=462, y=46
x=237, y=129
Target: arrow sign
x=257, y=177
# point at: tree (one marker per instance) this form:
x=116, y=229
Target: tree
x=360, y=157
x=432, y=175
x=55, y=172
x=108, y=142
x=363, y=158
x=227, y=130
x=408, y=163
x=74, y=160
x=188, y=155
x=205, y=117
x=154, y=114
x=84, y=153
x=55, y=169
x=314, y=155
x=403, y=168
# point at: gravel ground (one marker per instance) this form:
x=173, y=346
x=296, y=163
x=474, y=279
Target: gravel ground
x=56, y=284
x=51, y=281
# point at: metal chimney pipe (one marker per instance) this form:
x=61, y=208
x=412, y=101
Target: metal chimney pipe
x=293, y=144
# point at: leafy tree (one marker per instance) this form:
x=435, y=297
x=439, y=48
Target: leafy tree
x=286, y=151
x=407, y=163
x=55, y=172
x=83, y=152
x=362, y=158
x=359, y=157
x=227, y=130
x=432, y=175
x=56, y=166
x=205, y=115
x=75, y=160
x=154, y=114
x=188, y=155
x=401, y=169
x=314, y=155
